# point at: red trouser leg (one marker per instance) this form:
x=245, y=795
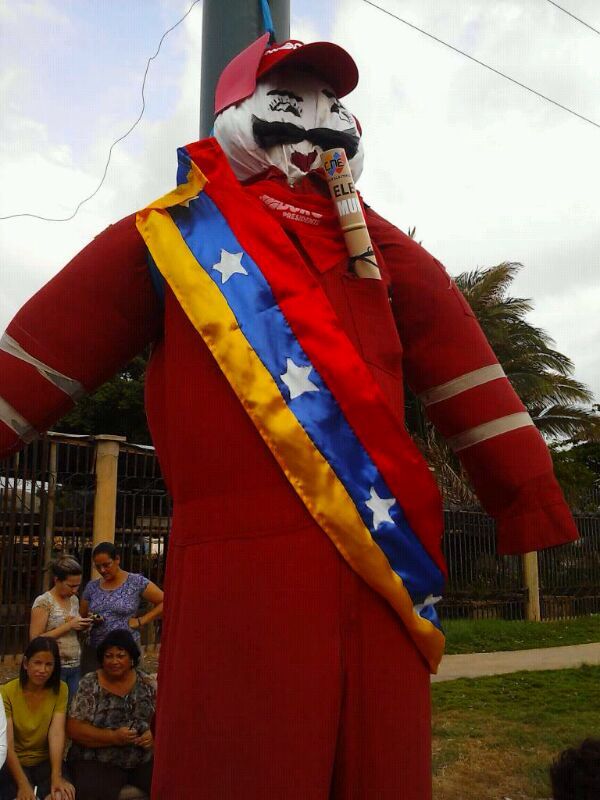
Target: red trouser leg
x=284, y=676
x=384, y=745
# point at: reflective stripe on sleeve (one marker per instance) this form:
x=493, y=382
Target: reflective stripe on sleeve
x=67, y=385
x=13, y=420
x=458, y=385
x=488, y=430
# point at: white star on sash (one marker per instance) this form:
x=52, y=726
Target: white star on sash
x=429, y=601
x=229, y=264
x=380, y=506
x=297, y=380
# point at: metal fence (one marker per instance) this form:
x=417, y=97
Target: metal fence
x=23, y=514
x=47, y=496
x=143, y=518
x=570, y=575
x=47, y=507
x=481, y=584
x=46, y=501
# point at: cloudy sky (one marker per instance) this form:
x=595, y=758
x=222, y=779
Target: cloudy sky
x=484, y=170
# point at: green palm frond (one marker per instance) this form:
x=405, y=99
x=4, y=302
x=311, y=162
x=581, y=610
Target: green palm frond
x=452, y=480
x=486, y=286
x=541, y=375
x=567, y=421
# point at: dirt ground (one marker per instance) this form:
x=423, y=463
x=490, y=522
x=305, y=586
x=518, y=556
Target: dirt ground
x=8, y=671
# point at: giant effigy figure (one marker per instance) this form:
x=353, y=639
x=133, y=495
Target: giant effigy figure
x=304, y=562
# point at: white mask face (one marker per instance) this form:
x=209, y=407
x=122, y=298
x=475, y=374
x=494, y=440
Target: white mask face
x=284, y=96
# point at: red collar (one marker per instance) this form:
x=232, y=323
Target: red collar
x=305, y=211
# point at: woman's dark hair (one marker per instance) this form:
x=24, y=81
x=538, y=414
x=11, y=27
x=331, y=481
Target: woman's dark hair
x=122, y=639
x=575, y=773
x=42, y=644
x=107, y=548
x=63, y=566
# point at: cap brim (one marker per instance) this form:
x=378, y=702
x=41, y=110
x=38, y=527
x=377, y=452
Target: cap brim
x=328, y=61
x=238, y=79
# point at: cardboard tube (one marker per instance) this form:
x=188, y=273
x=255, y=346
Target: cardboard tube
x=350, y=213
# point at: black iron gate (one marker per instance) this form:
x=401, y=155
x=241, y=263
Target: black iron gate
x=47, y=506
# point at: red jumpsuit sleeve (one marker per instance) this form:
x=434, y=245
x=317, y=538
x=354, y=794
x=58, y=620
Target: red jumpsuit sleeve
x=450, y=365
x=77, y=331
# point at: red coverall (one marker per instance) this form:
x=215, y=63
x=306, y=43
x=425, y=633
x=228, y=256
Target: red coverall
x=282, y=674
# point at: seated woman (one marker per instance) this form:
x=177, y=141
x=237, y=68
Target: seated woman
x=109, y=723
x=36, y=705
x=56, y=614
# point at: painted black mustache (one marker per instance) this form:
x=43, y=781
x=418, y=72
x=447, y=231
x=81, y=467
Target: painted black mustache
x=269, y=134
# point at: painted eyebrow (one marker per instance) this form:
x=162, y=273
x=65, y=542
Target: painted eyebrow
x=338, y=108
x=285, y=93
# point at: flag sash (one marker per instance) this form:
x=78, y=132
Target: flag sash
x=279, y=345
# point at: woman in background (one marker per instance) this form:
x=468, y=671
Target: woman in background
x=109, y=723
x=55, y=614
x=2, y=735
x=36, y=705
x=116, y=597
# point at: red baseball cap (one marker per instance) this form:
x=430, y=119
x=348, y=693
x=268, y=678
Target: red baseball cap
x=327, y=60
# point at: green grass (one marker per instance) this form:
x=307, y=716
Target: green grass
x=488, y=635
x=495, y=737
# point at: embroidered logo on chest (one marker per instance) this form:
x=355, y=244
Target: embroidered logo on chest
x=289, y=211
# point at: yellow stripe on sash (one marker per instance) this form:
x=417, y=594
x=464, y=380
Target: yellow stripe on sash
x=307, y=470
x=196, y=181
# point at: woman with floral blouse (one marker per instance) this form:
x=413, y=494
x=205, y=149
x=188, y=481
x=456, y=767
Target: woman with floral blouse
x=109, y=723
x=116, y=597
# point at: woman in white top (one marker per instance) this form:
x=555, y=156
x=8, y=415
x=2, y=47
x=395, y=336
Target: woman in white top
x=3, y=746
x=56, y=614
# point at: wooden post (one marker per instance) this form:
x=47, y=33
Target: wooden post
x=50, y=504
x=532, y=582
x=105, y=498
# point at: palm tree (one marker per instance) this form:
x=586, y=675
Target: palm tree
x=541, y=376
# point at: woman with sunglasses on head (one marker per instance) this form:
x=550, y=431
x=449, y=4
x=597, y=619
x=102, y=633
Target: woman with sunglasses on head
x=56, y=614
x=109, y=723
x=36, y=705
x=115, y=598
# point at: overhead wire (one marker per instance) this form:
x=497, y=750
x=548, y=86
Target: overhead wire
x=583, y=22
x=368, y=2
x=483, y=64
x=116, y=141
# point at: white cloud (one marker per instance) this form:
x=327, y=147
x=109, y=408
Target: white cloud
x=48, y=178
x=562, y=315
x=34, y=10
x=486, y=171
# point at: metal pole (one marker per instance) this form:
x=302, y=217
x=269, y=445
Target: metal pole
x=50, y=506
x=227, y=27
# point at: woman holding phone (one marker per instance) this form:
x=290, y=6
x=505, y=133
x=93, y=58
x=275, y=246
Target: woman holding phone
x=56, y=614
